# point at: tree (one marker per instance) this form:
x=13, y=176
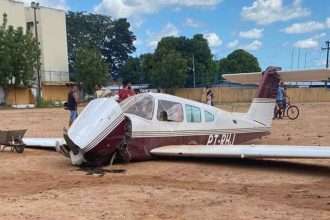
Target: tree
x=118, y=45
x=19, y=53
x=147, y=63
x=132, y=71
x=91, y=68
x=239, y=61
x=196, y=52
x=112, y=37
x=169, y=71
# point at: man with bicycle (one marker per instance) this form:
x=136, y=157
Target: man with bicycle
x=280, y=102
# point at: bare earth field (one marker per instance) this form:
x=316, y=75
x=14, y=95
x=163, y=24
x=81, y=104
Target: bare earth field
x=43, y=184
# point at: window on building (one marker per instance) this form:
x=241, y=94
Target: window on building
x=193, y=114
x=169, y=111
x=209, y=117
x=29, y=27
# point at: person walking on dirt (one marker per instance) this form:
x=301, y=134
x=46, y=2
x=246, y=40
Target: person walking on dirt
x=72, y=103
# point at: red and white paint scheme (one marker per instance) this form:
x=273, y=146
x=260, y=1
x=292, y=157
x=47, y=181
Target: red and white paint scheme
x=150, y=125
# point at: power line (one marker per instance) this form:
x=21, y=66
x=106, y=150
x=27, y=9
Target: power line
x=292, y=57
x=305, y=59
x=327, y=48
x=298, y=64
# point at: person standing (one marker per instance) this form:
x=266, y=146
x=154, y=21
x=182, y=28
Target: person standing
x=126, y=91
x=280, y=101
x=72, y=103
x=209, y=97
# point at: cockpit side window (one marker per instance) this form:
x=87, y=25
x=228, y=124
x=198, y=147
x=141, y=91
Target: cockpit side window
x=209, y=117
x=193, y=114
x=169, y=111
x=140, y=105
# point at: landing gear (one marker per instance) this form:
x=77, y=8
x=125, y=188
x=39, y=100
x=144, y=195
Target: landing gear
x=19, y=149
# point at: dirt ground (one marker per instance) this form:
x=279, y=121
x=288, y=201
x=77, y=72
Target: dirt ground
x=43, y=184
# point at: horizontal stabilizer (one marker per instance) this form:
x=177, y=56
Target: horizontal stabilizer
x=286, y=76
x=243, y=151
x=48, y=143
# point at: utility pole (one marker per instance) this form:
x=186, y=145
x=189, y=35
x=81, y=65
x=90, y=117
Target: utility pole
x=193, y=69
x=327, y=48
x=35, y=6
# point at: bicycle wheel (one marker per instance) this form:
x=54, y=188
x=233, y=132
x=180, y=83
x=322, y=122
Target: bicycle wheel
x=292, y=112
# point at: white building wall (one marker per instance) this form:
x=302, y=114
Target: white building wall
x=14, y=11
x=53, y=43
x=51, y=34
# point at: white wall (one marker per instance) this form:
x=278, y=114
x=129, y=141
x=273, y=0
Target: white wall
x=14, y=11
x=51, y=33
x=53, y=43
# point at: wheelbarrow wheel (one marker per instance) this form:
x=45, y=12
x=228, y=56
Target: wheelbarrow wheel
x=19, y=149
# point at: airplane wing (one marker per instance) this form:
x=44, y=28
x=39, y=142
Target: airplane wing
x=243, y=151
x=47, y=143
x=287, y=76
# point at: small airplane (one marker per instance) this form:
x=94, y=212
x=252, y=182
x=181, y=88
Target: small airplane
x=153, y=125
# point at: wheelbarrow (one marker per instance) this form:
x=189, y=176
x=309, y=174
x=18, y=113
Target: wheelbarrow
x=12, y=139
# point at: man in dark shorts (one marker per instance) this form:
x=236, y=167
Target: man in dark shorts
x=72, y=103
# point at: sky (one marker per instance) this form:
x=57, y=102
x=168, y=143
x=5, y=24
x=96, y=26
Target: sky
x=286, y=33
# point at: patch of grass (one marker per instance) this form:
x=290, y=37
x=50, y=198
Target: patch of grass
x=49, y=103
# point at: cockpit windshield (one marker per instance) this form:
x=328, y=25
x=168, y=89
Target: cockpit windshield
x=141, y=105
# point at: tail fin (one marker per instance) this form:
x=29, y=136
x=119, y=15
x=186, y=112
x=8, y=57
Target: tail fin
x=262, y=111
x=262, y=107
x=269, y=82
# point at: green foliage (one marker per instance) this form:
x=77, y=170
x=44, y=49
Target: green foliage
x=42, y=103
x=162, y=70
x=19, y=53
x=147, y=64
x=239, y=61
x=132, y=71
x=195, y=49
x=91, y=69
x=169, y=71
x=112, y=37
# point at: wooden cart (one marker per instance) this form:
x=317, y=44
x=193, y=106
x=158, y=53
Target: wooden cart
x=13, y=140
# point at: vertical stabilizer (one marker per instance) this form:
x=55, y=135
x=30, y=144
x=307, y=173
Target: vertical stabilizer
x=262, y=107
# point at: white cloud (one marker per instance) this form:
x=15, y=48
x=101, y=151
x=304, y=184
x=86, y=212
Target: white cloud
x=168, y=30
x=59, y=4
x=254, y=45
x=190, y=22
x=137, y=43
x=309, y=43
x=268, y=11
x=252, y=34
x=213, y=39
x=305, y=27
x=233, y=44
x=130, y=8
x=327, y=22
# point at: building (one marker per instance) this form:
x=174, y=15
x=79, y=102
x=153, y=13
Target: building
x=51, y=29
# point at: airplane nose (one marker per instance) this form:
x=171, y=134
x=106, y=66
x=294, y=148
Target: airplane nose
x=98, y=131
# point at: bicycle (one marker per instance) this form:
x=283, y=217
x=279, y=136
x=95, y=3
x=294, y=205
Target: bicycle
x=291, y=111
